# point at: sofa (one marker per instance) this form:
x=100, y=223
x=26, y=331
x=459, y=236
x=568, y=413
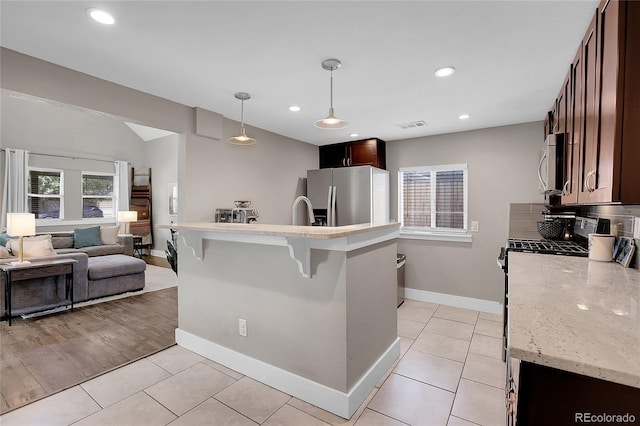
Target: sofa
x=101, y=270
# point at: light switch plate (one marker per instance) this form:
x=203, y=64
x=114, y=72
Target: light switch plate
x=475, y=225
x=636, y=228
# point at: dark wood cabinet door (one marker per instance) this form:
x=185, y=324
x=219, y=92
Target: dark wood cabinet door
x=367, y=152
x=589, y=173
x=563, y=128
x=574, y=125
x=334, y=155
x=548, y=396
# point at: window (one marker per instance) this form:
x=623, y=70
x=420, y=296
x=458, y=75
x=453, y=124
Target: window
x=97, y=195
x=433, y=199
x=45, y=193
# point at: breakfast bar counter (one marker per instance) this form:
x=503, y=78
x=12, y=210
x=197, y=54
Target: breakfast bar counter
x=310, y=311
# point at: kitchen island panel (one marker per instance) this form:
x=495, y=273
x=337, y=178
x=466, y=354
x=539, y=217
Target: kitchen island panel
x=371, y=306
x=293, y=323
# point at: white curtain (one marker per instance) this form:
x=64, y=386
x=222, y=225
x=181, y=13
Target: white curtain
x=14, y=191
x=122, y=175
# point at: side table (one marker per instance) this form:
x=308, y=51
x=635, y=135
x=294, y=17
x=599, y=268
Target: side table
x=137, y=246
x=15, y=273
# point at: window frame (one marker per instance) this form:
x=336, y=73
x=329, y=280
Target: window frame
x=59, y=197
x=435, y=233
x=114, y=195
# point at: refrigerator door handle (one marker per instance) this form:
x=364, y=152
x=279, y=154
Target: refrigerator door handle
x=333, y=206
x=329, y=205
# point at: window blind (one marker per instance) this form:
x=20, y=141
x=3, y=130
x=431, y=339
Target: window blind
x=434, y=197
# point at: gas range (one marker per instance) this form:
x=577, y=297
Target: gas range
x=566, y=248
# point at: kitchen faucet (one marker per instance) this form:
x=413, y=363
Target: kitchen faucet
x=312, y=218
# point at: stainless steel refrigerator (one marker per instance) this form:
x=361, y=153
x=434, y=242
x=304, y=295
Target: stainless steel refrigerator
x=349, y=195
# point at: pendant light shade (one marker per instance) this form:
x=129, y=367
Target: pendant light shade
x=242, y=139
x=331, y=121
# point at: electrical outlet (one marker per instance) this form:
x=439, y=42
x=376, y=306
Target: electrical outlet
x=475, y=225
x=636, y=228
x=242, y=327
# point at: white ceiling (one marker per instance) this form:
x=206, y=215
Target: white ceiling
x=510, y=57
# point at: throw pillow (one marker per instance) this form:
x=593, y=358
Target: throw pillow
x=4, y=237
x=39, y=246
x=109, y=234
x=87, y=237
x=4, y=253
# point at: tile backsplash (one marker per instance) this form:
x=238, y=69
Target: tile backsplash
x=621, y=217
x=523, y=218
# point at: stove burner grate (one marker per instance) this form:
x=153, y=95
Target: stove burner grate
x=568, y=248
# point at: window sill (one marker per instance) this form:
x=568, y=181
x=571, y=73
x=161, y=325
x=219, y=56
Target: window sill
x=436, y=236
x=43, y=223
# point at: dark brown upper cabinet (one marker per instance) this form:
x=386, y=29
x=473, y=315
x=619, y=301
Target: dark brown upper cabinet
x=366, y=152
x=602, y=102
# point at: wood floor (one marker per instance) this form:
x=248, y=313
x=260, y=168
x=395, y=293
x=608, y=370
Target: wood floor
x=156, y=260
x=44, y=355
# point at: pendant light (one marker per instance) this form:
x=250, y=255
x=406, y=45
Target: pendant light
x=331, y=121
x=242, y=139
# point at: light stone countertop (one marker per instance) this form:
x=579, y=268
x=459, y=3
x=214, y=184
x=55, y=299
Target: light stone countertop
x=291, y=231
x=575, y=314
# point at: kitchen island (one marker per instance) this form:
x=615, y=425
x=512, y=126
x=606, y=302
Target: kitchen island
x=574, y=324
x=317, y=305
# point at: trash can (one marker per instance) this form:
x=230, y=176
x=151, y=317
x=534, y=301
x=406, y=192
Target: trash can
x=401, y=259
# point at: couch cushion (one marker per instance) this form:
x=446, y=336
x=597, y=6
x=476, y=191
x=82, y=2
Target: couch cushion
x=109, y=234
x=38, y=246
x=86, y=237
x=67, y=250
x=62, y=240
x=103, y=250
x=115, y=265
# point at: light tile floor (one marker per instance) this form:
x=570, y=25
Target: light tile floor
x=450, y=373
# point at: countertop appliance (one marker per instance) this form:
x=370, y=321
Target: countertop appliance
x=577, y=246
x=236, y=215
x=349, y=195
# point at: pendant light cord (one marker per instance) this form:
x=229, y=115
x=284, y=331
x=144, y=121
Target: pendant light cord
x=242, y=115
x=331, y=92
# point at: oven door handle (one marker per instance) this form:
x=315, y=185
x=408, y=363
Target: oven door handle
x=500, y=259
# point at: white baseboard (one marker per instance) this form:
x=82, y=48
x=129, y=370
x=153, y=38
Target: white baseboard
x=158, y=253
x=332, y=400
x=481, y=305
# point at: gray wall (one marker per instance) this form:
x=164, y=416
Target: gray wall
x=267, y=174
x=211, y=173
x=503, y=165
x=162, y=156
x=53, y=128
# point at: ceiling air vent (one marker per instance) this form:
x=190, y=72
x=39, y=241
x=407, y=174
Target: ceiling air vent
x=412, y=125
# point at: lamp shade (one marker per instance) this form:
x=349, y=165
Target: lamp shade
x=21, y=224
x=127, y=216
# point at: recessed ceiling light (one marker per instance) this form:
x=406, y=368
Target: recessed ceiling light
x=354, y=135
x=101, y=16
x=294, y=108
x=464, y=116
x=444, y=71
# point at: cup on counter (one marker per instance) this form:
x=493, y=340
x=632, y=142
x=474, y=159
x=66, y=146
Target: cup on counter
x=601, y=247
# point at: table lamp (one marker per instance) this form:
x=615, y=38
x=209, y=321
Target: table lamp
x=126, y=217
x=20, y=225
